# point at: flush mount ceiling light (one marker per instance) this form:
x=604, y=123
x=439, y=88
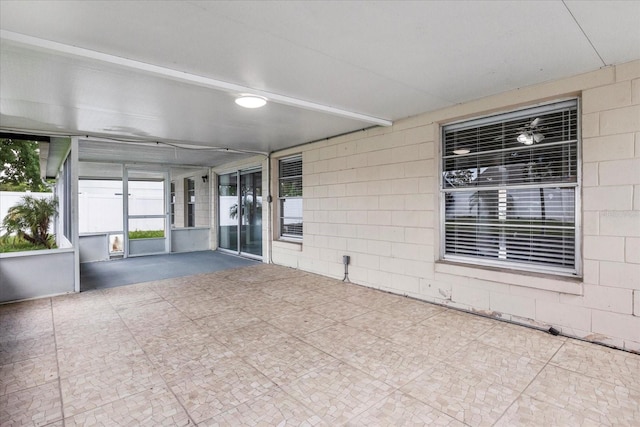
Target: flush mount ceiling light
x=461, y=151
x=251, y=101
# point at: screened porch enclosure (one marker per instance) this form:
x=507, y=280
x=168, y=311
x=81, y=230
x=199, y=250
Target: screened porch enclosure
x=126, y=212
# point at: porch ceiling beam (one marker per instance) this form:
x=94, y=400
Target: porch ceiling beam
x=186, y=77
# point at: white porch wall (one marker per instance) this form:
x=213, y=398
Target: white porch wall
x=374, y=194
x=203, y=217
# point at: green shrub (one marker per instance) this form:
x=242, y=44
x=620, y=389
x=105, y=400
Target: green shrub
x=29, y=220
x=18, y=244
x=146, y=234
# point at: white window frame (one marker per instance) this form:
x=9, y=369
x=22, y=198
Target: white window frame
x=576, y=270
x=282, y=235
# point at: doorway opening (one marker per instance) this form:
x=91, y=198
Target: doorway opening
x=123, y=215
x=240, y=212
x=146, y=224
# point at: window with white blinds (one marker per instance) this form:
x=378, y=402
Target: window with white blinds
x=173, y=203
x=290, y=196
x=510, y=189
x=190, y=187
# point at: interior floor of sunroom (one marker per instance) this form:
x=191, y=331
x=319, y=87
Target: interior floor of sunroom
x=120, y=272
x=267, y=345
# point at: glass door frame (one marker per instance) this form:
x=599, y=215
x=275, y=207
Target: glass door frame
x=238, y=174
x=245, y=210
x=166, y=186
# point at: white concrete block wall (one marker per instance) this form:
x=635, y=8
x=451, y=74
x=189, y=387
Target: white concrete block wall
x=611, y=155
x=362, y=197
x=203, y=216
x=178, y=217
x=374, y=195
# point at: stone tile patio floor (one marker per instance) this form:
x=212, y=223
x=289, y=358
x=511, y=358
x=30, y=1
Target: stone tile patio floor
x=268, y=345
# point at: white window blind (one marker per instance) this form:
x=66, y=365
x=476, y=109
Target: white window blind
x=510, y=189
x=290, y=196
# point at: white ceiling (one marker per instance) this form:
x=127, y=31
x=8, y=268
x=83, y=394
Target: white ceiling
x=141, y=70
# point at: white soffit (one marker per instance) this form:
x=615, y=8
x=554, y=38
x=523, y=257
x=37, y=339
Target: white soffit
x=613, y=27
x=61, y=92
x=151, y=153
x=448, y=51
x=180, y=76
x=381, y=59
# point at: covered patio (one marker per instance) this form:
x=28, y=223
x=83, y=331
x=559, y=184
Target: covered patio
x=269, y=345
x=474, y=166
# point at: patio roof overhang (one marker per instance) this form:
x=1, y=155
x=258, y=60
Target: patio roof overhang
x=131, y=75
x=52, y=154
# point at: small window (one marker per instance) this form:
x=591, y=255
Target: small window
x=173, y=203
x=290, y=196
x=510, y=189
x=190, y=186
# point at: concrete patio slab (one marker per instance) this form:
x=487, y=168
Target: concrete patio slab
x=269, y=345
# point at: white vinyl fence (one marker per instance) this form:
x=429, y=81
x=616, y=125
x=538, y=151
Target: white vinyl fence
x=100, y=204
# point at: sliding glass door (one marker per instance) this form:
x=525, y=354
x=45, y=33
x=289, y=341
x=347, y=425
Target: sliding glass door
x=240, y=212
x=251, y=218
x=228, y=212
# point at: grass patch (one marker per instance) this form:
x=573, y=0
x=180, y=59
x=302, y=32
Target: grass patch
x=18, y=244
x=146, y=234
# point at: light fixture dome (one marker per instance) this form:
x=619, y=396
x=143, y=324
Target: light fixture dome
x=537, y=137
x=525, y=138
x=251, y=101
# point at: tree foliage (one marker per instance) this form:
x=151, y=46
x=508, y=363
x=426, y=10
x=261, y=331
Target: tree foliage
x=21, y=166
x=30, y=220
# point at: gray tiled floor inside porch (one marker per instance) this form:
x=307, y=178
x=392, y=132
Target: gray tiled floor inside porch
x=265, y=345
x=127, y=271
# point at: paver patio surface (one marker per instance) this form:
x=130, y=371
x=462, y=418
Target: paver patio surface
x=271, y=346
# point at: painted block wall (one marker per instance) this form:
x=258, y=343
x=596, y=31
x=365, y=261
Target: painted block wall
x=19, y=280
x=203, y=218
x=374, y=195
